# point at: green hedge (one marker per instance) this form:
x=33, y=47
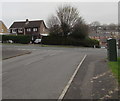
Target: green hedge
x=55, y=40
x=52, y=40
x=17, y=39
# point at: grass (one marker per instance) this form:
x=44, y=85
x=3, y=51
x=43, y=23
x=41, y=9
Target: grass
x=115, y=68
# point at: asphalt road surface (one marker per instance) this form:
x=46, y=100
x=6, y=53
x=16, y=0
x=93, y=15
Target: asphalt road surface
x=45, y=72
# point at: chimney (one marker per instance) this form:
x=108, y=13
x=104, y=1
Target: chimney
x=27, y=21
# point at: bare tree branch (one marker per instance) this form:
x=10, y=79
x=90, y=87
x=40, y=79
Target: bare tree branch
x=66, y=17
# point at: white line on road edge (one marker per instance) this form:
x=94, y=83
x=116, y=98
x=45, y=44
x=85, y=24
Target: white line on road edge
x=70, y=81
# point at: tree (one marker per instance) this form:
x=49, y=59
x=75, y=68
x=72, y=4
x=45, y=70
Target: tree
x=112, y=26
x=80, y=31
x=95, y=24
x=66, y=18
x=55, y=31
x=68, y=15
x=52, y=21
x=105, y=26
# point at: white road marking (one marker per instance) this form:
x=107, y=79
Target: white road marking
x=70, y=81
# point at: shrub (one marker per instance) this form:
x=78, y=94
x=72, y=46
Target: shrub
x=23, y=39
x=55, y=40
x=91, y=42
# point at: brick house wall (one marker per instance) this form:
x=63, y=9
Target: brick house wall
x=3, y=28
x=43, y=30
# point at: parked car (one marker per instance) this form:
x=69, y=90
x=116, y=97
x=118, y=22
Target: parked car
x=9, y=41
x=103, y=47
x=37, y=41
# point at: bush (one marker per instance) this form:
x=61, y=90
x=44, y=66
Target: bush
x=55, y=40
x=91, y=42
x=23, y=39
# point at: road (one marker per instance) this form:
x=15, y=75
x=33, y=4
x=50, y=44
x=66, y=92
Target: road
x=44, y=73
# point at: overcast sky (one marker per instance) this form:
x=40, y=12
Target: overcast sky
x=104, y=12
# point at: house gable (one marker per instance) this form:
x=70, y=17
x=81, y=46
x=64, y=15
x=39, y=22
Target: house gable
x=3, y=28
x=43, y=28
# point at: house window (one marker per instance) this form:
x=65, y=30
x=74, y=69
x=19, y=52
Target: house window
x=20, y=30
x=2, y=30
x=35, y=29
x=13, y=30
x=28, y=29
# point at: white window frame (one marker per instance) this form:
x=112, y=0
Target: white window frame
x=28, y=29
x=20, y=30
x=35, y=29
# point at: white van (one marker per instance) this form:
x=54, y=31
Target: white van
x=37, y=41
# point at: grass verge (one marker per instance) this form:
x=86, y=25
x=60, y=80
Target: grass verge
x=115, y=68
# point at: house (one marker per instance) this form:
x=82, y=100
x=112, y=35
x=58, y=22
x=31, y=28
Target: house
x=35, y=28
x=101, y=37
x=3, y=28
x=102, y=34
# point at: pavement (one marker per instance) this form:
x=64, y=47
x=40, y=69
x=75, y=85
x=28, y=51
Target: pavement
x=97, y=83
x=6, y=54
x=11, y=52
x=45, y=73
